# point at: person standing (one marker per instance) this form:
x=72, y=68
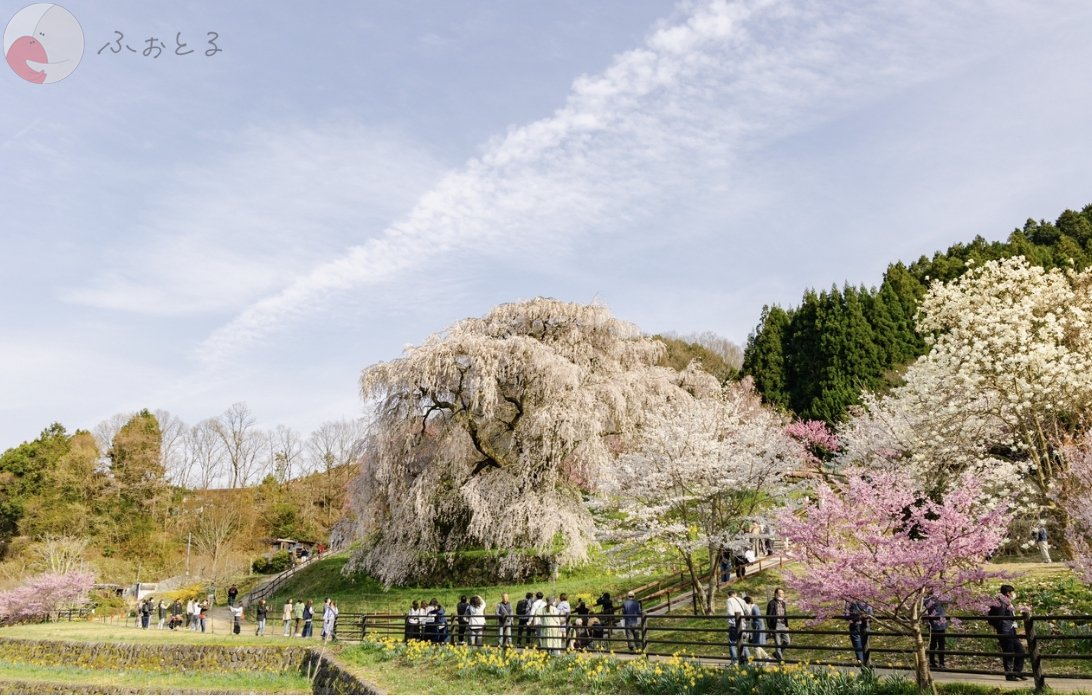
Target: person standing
x=778, y=620
x=859, y=616
x=260, y=615
x=547, y=619
x=162, y=613
x=534, y=621
x=439, y=622
x=176, y=617
x=236, y=618
x=308, y=619
x=475, y=620
x=633, y=615
x=326, y=605
x=1003, y=619
x=757, y=634
x=188, y=618
x=606, y=617
x=286, y=616
x=145, y=613
x=936, y=614
x=200, y=609
x=460, y=617
x=504, y=622
x=523, y=614
x=232, y=593
x=329, y=620
x=297, y=617
x=1041, y=541
x=565, y=610
x=737, y=614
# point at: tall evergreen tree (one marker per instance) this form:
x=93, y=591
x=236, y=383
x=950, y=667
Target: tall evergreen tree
x=764, y=356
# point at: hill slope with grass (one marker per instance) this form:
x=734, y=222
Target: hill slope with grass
x=358, y=593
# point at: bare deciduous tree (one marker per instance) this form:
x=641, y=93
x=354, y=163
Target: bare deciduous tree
x=334, y=444
x=214, y=528
x=105, y=431
x=285, y=452
x=205, y=451
x=62, y=555
x=172, y=432
x=242, y=442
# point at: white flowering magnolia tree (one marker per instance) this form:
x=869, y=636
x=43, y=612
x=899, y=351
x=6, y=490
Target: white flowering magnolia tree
x=702, y=471
x=489, y=434
x=1008, y=376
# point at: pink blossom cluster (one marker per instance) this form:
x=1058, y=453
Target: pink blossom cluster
x=816, y=437
x=878, y=538
x=42, y=594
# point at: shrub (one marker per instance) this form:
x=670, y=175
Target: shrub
x=277, y=563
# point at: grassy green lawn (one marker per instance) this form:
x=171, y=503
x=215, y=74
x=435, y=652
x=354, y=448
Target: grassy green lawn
x=77, y=679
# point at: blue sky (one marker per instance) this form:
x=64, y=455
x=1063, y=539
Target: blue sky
x=185, y=232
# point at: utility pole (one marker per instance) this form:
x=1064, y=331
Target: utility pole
x=189, y=540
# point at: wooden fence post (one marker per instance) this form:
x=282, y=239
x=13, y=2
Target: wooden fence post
x=1034, y=653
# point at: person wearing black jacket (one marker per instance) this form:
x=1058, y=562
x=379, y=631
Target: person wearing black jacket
x=523, y=610
x=936, y=616
x=606, y=612
x=777, y=622
x=260, y=615
x=1003, y=619
x=461, y=610
x=859, y=617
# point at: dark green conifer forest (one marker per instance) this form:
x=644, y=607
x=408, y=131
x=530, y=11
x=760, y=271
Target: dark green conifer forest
x=817, y=358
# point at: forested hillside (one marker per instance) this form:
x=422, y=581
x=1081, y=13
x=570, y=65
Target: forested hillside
x=816, y=359
x=66, y=499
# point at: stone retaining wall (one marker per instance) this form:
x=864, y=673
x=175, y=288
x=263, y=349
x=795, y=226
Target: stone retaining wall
x=332, y=677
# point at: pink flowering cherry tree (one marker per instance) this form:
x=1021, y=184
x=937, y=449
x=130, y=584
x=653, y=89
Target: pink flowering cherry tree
x=45, y=593
x=877, y=538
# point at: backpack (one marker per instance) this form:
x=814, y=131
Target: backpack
x=995, y=617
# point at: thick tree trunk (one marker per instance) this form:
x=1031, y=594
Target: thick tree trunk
x=700, y=605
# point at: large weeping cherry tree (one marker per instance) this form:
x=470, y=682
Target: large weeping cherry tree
x=489, y=434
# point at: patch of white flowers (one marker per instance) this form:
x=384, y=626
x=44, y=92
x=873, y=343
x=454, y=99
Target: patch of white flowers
x=1009, y=369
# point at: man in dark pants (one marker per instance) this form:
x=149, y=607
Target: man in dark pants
x=462, y=609
x=1003, y=619
x=632, y=617
x=859, y=615
x=936, y=611
x=523, y=611
x=777, y=620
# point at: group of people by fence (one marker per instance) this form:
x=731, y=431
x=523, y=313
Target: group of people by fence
x=749, y=630
x=299, y=618
x=174, y=615
x=537, y=620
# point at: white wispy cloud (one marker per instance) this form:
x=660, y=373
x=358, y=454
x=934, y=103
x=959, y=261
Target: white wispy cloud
x=662, y=119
